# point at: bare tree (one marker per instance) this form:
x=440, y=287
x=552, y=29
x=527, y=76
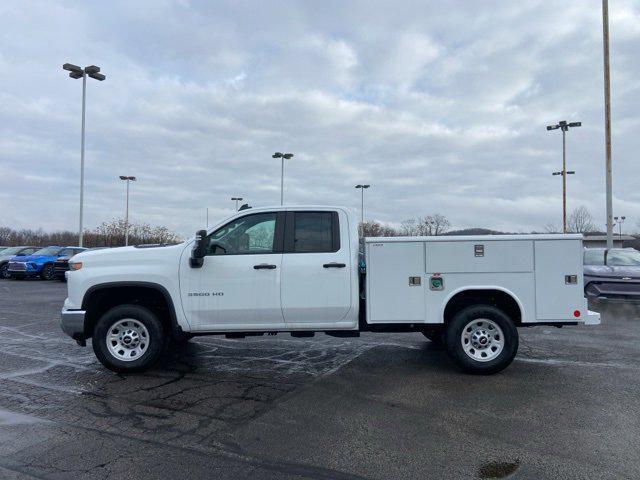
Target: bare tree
x=435, y=224
x=440, y=224
x=375, y=229
x=408, y=227
x=580, y=221
x=551, y=228
x=108, y=234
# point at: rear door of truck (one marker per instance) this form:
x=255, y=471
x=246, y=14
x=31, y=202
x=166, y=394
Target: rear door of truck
x=316, y=269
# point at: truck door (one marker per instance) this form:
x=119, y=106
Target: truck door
x=316, y=269
x=238, y=285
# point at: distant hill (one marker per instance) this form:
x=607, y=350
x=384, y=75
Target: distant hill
x=475, y=231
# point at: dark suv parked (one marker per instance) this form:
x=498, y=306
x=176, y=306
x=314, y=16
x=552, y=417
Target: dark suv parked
x=61, y=265
x=613, y=273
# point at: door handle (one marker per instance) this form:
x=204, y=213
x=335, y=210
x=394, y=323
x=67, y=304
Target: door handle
x=334, y=265
x=264, y=266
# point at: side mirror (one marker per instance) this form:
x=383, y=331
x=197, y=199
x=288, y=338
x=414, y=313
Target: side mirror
x=199, y=250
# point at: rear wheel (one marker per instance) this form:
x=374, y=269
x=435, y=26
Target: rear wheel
x=47, y=272
x=481, y=339
x=128, y=338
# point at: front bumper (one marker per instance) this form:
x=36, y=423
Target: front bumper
x=612, y=289
x=72, y=323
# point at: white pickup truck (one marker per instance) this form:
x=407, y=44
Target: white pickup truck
x=300, y=270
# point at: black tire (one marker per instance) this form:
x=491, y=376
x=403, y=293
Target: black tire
x=4, y=271
x=454, y=340
x=47, y=272
x=156, y=341
x=436, y=335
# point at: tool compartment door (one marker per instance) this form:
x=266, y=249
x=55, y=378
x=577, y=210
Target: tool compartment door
x=390, y=296
x=556, y=299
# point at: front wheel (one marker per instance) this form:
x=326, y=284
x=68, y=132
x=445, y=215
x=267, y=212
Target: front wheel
x=47, y=272
x=4, y=272
x=481, y=339
x=128, y=338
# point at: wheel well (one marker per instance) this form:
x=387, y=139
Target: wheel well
x=497, y=298
x=98, y=301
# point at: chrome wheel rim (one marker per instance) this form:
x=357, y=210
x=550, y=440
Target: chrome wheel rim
x=482, y=340
x=127, y=339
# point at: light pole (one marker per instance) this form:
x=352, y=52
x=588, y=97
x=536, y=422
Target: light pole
x=362, y=188
x=619, y=221
x=607, y=121
x=126, y=214
x=236, y=199
x=77, y=72
x=564, y=126
x=283, y=156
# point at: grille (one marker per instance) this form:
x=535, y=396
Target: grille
x=17, y=267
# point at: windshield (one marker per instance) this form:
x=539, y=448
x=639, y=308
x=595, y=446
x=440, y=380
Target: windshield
x=11, y=251
x=623, y=258
x=49, y=251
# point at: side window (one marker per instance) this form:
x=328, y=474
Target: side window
x=313, y=232
x=65, y=252
x=594, y=257
x=246, y=235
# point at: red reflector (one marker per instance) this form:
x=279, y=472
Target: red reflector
x=576, y=313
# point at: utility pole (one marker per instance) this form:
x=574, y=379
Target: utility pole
x=282, y=156
x=362, y=188
x=607, y=121
x=76, y=72
x=564, y=126
x=126, y=214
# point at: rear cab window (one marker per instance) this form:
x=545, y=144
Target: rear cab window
x=312, y=232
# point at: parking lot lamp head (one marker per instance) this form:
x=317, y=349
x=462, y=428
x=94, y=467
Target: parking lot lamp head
x=236, y=199
x=282, y=157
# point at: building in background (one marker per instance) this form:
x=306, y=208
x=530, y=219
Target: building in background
x=600, y=241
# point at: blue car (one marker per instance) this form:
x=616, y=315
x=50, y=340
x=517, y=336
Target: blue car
x=40, y=263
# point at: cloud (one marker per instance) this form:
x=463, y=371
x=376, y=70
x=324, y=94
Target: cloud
x=440, y=106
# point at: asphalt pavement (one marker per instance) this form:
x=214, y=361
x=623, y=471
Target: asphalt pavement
x=382, y=406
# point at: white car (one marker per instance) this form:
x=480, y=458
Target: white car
x=297, y=270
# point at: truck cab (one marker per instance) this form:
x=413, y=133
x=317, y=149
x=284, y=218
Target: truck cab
x=298, y=269
x=275, y=270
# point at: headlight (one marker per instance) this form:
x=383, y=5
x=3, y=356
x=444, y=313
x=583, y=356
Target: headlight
x=75, y=266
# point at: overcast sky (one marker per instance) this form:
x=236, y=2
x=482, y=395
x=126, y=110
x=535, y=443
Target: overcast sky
x=440, y=105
